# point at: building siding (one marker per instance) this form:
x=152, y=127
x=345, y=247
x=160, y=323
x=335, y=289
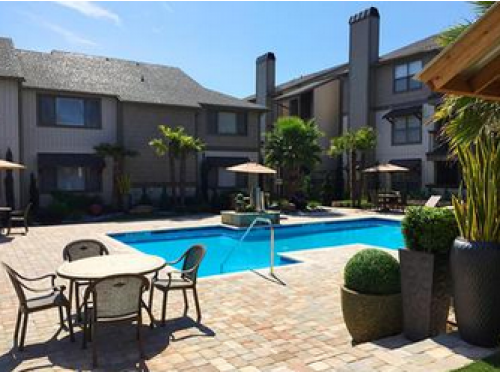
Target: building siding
x=9, y=130
x=38, y=139
x=140, y=125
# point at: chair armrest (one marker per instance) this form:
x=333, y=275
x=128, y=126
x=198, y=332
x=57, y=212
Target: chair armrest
x=50, y=275
x=53, y=288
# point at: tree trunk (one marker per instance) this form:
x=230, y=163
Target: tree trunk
x=173, y=180
x=182, y=180
x=353, y=185
x=361, y=178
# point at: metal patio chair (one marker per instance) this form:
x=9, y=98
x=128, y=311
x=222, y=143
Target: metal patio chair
x=184, y=280
x=116, y=298
x=77, y=250
x=40, y=299
x=19, y=216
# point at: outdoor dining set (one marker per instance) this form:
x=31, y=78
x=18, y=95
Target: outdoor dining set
x=105, y=288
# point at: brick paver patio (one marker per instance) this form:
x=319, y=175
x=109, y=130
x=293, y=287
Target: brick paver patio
x=250, y=323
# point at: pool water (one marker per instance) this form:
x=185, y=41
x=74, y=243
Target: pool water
x=226, y=253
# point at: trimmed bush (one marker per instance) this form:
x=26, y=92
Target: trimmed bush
x=373, y=271
x=430, y=230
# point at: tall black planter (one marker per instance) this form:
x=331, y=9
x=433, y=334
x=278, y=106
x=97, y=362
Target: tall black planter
x=425, y=288
x=475, y=270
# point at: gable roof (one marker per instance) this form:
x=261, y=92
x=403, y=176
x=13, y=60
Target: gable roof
x=128, y=80
x=9, y=65
x=422, y=46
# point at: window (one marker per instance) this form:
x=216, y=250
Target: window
x=227, y=123
x=70, y=172
x=70, y=178
x=225, y=178
x=294, y=107
x=407, y=130
x=403, y=76
x=69, y=111
x=407, y=181
x=447, y=174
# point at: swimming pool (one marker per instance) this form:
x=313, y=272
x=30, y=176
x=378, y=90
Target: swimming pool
x=226, y=254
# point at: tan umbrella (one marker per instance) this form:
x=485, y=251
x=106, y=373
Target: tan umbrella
x=251, y=168
x=4, y=164
x=386, y=168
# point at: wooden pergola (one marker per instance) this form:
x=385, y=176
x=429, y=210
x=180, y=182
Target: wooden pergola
x=471, y=65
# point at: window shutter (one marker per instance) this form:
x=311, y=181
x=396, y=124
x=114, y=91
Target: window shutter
x=211, y=121
x=93, y=113
x=46, y=110
x=242, y=123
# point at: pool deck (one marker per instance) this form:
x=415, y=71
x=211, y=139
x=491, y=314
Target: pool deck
x=250, y=322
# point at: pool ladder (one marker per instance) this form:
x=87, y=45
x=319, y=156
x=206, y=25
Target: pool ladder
x=271, y=243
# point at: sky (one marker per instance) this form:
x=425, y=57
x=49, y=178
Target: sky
x=216, y=43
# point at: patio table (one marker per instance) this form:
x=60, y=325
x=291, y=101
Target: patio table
x=94, y=268
x=386, y=198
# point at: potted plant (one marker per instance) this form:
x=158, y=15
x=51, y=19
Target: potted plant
x=371, y=298
x=425, y=279
x=475, y=257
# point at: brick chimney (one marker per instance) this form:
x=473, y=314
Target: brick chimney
x=265, y=87
x=363, y=54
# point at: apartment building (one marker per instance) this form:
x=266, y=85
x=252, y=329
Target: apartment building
x=56, y=107
x=369, y=90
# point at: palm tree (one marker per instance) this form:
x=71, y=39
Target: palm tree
x=118, y=153
x=189, y=145
x=466, y=119
x=176, y=144
x=352, y=143
x=293, y=146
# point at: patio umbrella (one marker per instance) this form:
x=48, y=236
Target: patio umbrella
x=251, y=168
x=8, y=165
x=256, y=169
x=386, y=168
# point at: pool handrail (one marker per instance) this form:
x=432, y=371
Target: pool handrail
x=271, y=243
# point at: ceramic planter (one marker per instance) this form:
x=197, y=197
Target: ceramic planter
x=425, y=288
x=370, y=317
x=475, y=270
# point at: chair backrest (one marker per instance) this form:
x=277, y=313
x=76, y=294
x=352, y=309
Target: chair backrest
x=118, y=296
x=82, y=249
x=433, y=201
x=192, y=261
x=27, y=211
x=16, y=283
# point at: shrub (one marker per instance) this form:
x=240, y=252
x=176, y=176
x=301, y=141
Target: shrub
x=428, y=229
x=373, y=271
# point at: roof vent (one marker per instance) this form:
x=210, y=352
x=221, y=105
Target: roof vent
x=107, y=58
x=142, y=78
x=137, y=64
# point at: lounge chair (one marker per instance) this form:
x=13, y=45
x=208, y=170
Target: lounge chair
x=20, y=216
x=180, y=280
x=116, y=298
x=41, y=299
x=76, y=250
x=433, y=201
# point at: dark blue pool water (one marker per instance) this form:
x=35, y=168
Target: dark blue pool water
x=225, y=252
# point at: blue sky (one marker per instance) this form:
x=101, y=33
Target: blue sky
x=217, y=42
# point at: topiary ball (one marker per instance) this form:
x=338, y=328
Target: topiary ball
x=373, y=271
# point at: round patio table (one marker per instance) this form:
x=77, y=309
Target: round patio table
x=94, y=268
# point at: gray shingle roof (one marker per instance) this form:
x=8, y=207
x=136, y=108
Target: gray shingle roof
x=421, y=46
x=128, y=80
x=425, y=45
x=9, y=65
